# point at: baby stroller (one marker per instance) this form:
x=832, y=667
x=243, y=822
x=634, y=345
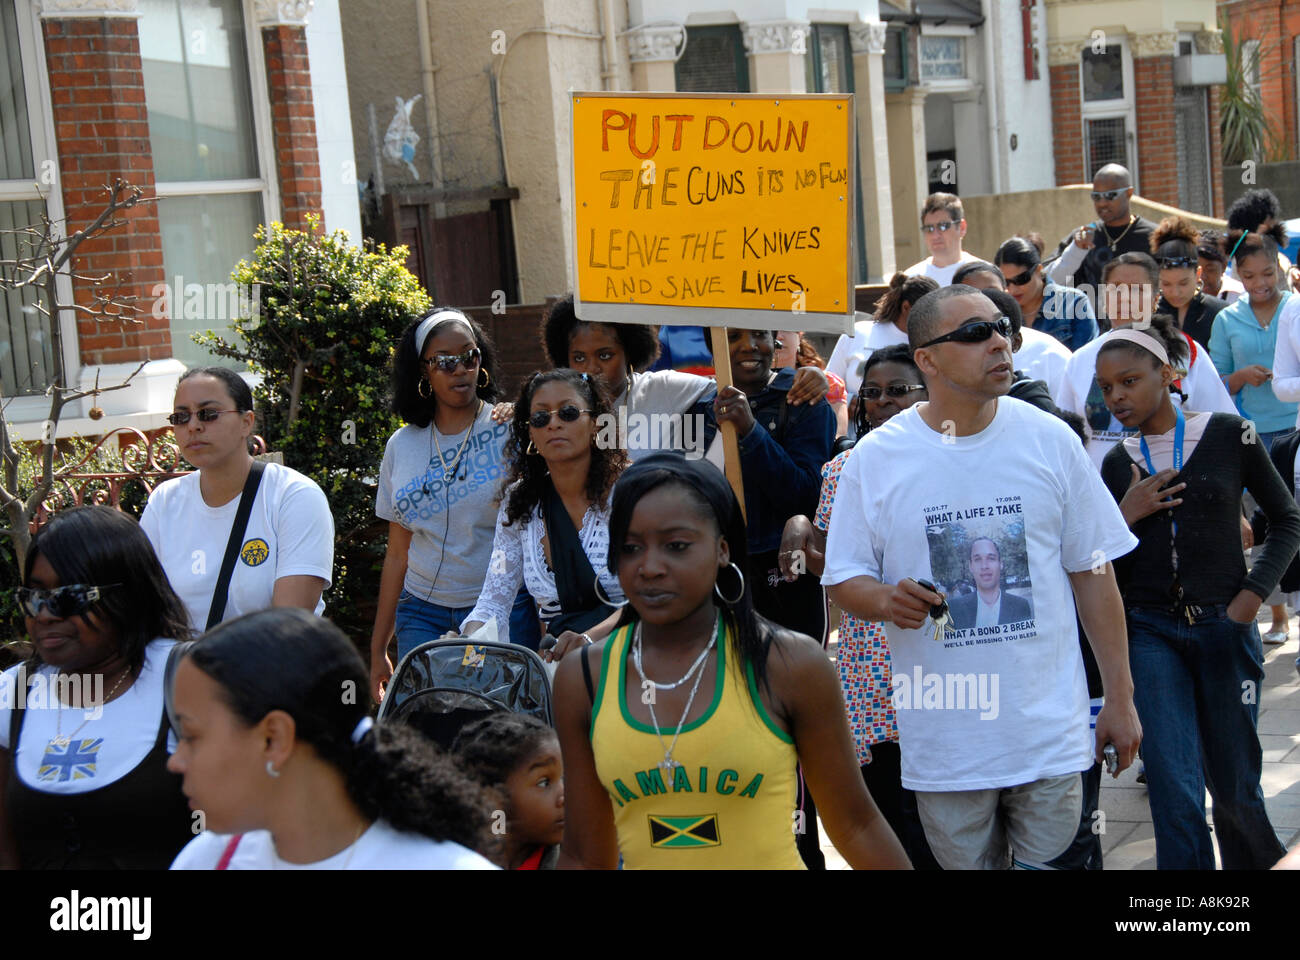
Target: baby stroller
x=442, y=685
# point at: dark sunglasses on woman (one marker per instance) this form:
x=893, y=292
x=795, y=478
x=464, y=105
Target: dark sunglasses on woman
x=205, y=415
x=61, y=602
x=542, y=418
x=974, y=331
x=1022, y=279
x=448, y=364
x=895, y=391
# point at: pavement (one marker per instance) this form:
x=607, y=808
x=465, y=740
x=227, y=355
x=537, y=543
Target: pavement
x=1128, y=842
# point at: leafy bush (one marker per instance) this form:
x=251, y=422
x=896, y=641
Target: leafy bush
x=322, y=337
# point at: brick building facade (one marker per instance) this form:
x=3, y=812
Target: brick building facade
x=1275, y=26
x=209, y=107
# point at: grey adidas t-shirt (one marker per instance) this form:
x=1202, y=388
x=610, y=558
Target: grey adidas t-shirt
x=458, y=515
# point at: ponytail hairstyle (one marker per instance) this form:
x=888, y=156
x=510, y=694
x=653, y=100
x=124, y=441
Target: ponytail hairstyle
x=902, y=289
x=1019, y=252
x=492, y=749
x=287, y=659
x=1209, y=246
x=1165, y=329
x=530, y=470
x=1242, y=245
x=408, y=403
x=714, y=499
x=1175, y=239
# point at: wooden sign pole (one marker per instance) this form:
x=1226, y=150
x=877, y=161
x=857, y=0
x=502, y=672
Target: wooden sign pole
x=730, y=442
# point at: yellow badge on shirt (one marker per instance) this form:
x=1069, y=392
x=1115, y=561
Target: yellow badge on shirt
x=255, y=552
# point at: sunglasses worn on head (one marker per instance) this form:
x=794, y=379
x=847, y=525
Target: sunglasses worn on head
x=448, y=364
x=542, y=418
x=1106, y=194
x=61, y=602
x=895, y=390
x=974, y=331
x=205, y=415
x=941, y=227
x=1177, y=263
x=1022, y=279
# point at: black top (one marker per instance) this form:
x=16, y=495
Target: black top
x=139, y=821
x=1200, y=316
x=1283, y=457
x=1136, y=240
x=1211, y=568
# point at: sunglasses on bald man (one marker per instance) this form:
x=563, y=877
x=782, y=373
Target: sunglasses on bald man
x=975, y=330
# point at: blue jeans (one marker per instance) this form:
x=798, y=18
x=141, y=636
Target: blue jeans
x=419, y=621
x=1196, y=687
x=1268, y=439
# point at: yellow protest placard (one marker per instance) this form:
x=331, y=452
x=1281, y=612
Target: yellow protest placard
x=723, y=204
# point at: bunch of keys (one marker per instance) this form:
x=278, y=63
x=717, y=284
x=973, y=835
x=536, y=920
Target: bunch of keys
x=938, y=612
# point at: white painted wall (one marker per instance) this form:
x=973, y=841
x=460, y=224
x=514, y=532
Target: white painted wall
x=1026, y=104
x=329, y=88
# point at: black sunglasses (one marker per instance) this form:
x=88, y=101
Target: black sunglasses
x=61, y=602
x=974, y=331
x=205, y=415
x=1022, y=279
x=1106, y=194
x=542, y=418
x=894, y=390
x=1177, y=263
x=448, y=364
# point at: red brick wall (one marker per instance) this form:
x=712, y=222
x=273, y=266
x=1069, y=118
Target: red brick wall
x=1067, y=125
x=293, y=118
x=1156, y=144
x=102, y=131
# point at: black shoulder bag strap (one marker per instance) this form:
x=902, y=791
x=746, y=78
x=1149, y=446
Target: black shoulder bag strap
x=575, y=580
x=246, y=499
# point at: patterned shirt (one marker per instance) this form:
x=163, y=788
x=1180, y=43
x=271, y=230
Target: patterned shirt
x=863, y=657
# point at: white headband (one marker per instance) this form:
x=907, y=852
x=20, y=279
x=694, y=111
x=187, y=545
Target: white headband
x=428, y=324
x=1142, y=339
x=362, y=727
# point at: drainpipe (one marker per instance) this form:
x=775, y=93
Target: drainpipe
x=427, y=69
x=605, y=12
x=993, y=102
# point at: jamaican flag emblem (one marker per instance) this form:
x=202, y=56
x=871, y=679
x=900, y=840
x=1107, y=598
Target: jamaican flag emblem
x=675, y=833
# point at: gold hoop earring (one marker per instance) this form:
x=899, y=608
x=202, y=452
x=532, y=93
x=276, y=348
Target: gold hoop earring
x=420, y=389
x=532, y=450
x=484, y=377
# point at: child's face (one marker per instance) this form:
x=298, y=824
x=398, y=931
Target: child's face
x=536, y=791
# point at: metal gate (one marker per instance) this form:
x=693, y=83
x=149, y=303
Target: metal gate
x=1192, y=146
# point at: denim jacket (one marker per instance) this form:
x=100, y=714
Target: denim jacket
x=781, y=462
x=1066, y=314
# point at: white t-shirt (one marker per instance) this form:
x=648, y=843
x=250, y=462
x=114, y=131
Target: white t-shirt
x=1042, y=357
x=940, y=275
x=290, y=533
x=851, y=351
x=451, y=521
x=1079, y=392
x=379, y=848
x=995, y=706
x=103, y=748
x=650, y=414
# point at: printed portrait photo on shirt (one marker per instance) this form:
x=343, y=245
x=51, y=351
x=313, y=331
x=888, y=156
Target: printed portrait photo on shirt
x=979, y=560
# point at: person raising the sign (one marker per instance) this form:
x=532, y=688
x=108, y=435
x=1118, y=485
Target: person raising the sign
x=701, y=773
x=237, y=534
x=552, y=531
x=1191, y=602
x=649, y=403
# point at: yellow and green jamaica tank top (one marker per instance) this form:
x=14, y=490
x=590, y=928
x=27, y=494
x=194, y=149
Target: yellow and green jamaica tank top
x=731, y=802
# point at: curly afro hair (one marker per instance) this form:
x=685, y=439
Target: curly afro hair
x=493, y=748
x=640, y=343
x=530, y=468
x=1174, y=238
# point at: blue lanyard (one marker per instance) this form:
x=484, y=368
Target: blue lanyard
x=1179, y=427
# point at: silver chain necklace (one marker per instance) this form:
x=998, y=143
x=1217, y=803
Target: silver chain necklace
x=668, y=764
x=699, y=661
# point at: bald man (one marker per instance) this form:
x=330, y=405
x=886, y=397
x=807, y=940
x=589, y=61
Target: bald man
x=1116, y=230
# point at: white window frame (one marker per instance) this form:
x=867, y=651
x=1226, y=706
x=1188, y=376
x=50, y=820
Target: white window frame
x=941, y=83
x=267, y=184
x=1125, y=107
x=40, y=122
x=1255, y=80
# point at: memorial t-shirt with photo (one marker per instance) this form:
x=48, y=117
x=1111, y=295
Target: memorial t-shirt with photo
x=995, y=705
